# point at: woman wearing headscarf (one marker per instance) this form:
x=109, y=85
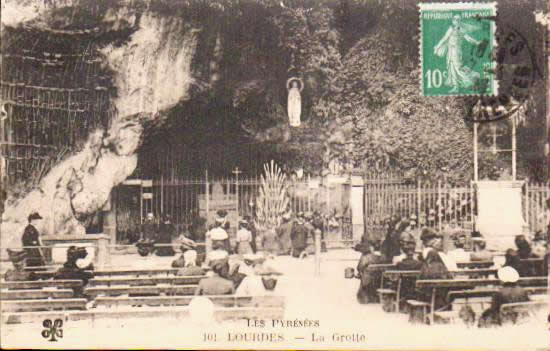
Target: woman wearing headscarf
x=370, y=281
x=216, y=284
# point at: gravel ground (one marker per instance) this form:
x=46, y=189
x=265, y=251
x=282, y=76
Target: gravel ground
x=329, y=299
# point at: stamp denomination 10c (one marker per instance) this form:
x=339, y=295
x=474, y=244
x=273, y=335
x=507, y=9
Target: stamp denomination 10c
x=456, y=49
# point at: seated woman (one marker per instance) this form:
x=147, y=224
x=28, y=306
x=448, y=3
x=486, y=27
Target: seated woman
x=480, y=252
x=71, y=271
x=190, y=264
x=433, y=267
x=216, y=284
x=370, y=281
x=262, y=282
x=509, y=293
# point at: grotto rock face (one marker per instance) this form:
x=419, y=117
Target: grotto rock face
x=152, y=72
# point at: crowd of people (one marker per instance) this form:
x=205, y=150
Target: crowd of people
x=435, y=255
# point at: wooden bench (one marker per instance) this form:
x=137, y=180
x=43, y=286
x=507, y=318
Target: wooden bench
x=35, y=294
x=478, y=299
x=221, y=300
x=387, y=294
x=42, y=305
x=173, y=312
x=418, y=311
x=117, y=273
x=435, y=284
x=475, y=264
x=140, y=290
x=39, y=284
x=528, y=307
x=143, y=281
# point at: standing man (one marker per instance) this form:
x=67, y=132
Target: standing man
x=253, y=231
x=149, y=228
x=31, y=238
x=299, y=237
x=319, y=224
x=283, y=234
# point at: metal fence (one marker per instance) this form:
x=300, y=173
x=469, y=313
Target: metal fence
x=432, y=204
x=436, y=204
x=534, y=205
x=187, y=199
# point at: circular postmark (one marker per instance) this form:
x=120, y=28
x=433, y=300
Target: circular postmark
x=515, y=70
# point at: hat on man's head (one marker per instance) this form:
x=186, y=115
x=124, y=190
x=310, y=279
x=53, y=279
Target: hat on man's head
x=508, y=275
x=16, y=256
x=428, y=233
x=221, y=213
x=33, y=216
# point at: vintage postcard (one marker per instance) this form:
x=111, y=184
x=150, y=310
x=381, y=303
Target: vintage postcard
x=275, y=174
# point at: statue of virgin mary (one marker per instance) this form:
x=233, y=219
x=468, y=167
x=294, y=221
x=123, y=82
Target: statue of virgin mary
x=295, y=86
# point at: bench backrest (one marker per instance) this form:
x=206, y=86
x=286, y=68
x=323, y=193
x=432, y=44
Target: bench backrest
x=523, y=306
x=38, y=284
x=475, y=293
x=395, y=274
x=36, y=294
x=140, y=290
x=472, y=283
x=221, y=300
x=141, y=281
x=42, y=304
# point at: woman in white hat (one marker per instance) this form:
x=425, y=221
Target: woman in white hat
x=510, y=292
x=218, y=235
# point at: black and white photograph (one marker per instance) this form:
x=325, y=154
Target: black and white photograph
x=275, y=174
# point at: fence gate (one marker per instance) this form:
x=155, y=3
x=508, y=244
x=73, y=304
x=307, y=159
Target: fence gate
x=187, y=199
x=433, y=204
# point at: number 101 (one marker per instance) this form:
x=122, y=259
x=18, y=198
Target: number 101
x=434, y=78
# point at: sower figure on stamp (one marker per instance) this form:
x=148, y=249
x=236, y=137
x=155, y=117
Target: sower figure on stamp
x=458, y=75
x=31, y=238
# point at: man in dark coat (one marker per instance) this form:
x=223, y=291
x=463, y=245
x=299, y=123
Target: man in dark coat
x=253, y=231
x=19, y=273
x=31, y=238
x=391, y=244
x=166, y=231
x=299, y=236
x=318, y=223
x=149, y=228
x=524, y=251
x=283, y=233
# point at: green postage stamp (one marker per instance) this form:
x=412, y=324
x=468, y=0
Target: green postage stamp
x=456, y=49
